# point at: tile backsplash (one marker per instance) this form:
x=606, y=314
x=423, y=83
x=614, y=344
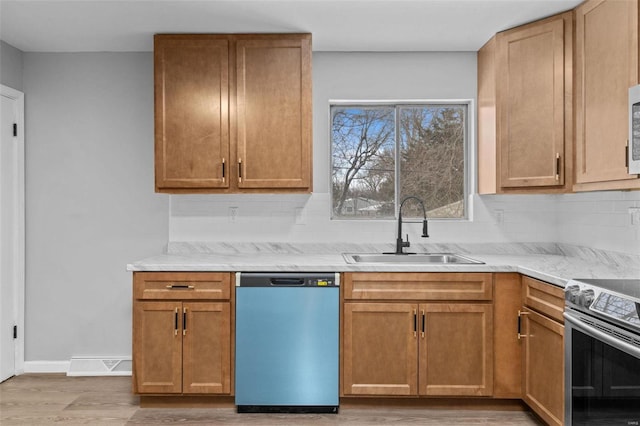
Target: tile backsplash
x=603, y=220
x=608, y=220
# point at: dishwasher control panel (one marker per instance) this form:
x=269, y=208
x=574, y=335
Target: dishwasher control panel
x=321, y=282
x=287, y=279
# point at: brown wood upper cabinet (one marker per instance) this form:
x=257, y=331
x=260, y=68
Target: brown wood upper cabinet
x=525, y=108
x=233, y=113
x=606, y=66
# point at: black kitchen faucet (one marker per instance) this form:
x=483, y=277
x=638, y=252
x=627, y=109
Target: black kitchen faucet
x=400, y=243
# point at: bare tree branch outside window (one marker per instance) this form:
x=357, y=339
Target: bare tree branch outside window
x=430, y=143
x=361, y=137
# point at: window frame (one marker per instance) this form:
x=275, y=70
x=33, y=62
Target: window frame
x=468, y=151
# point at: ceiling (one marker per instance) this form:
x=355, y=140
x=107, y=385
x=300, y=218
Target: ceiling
x=336, y=25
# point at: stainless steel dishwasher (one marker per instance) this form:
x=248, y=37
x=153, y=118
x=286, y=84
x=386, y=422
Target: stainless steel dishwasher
x=287, y=338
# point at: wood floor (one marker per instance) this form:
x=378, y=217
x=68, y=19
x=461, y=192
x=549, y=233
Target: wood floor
x=43, y=399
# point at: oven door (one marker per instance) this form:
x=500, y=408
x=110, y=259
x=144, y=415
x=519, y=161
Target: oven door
x=602, y=374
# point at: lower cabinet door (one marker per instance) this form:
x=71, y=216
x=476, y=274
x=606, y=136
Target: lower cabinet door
x=206, y=348
x=380, y=349
x=543, y=361
x=157, y=347
x=456, y=349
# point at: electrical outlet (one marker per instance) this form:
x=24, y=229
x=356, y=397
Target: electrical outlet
x=634, y=212
x=233, y=214
x=301, y=218
x=499, y=216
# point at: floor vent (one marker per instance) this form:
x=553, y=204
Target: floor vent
x=99, y=366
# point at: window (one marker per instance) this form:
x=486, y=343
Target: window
x=384, y=153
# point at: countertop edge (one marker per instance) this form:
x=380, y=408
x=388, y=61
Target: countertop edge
x=554, y=269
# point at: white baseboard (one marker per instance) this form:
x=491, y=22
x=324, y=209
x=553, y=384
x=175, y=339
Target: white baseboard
x=46, y=366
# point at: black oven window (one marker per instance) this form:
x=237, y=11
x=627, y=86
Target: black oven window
x=605, y=383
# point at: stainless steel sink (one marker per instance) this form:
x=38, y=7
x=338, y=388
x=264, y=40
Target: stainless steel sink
x=416, y=258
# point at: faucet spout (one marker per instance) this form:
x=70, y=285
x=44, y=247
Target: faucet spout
x=400, y=243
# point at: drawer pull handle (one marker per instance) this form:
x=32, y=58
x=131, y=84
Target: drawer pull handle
x=180, y=287
x=175, y=324
x=520, y=313
x=423, y=317
x=415, y=322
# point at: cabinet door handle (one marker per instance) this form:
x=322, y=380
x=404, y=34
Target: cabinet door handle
x=240, y=170
x=423, y=325
x=184, y=321
x=520, y=314
x=626, y=155
x=557, y=166
x=223, y=170
x=180, y=287
x=415, y=323
x=175, y=324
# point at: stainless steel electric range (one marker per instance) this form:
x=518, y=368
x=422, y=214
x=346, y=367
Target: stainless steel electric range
x=602, y=352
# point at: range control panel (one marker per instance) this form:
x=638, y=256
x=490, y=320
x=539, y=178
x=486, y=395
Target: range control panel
x=614, y=303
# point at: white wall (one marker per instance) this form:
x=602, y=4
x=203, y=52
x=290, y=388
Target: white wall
x=90, y=201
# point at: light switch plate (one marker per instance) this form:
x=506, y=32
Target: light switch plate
x=233, y=214
x=634, y=212
x=301, y=217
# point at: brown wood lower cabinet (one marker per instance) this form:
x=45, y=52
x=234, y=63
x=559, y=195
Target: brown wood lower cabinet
x=402, y=334
x=410, y=348
x=456, y=349
x=157, y=342
x=380, y=352
x=181, y=346
x=543, y=358
x=542, y=332
x=206, y=348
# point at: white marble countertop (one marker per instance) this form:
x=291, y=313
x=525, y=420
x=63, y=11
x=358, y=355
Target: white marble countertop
x=537, y=261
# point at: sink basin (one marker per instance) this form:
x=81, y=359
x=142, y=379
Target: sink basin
x=417, y=258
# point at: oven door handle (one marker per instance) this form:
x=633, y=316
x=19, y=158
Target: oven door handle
x=603, y=337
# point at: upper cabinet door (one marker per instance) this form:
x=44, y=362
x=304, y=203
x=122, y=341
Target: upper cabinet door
x=532, y=107
x=606, y=66
x=274, y=112
x=191, y=111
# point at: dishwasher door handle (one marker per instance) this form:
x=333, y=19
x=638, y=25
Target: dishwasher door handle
x=287, y=282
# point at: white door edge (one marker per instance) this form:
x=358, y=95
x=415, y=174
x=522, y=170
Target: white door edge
x=19, y=240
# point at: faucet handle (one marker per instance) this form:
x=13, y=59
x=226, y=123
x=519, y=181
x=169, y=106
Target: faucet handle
x=406, y=243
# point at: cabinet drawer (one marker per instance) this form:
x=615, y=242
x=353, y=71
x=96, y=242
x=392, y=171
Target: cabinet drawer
x=418, y=286
x=182, y=285
x=544, y=298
